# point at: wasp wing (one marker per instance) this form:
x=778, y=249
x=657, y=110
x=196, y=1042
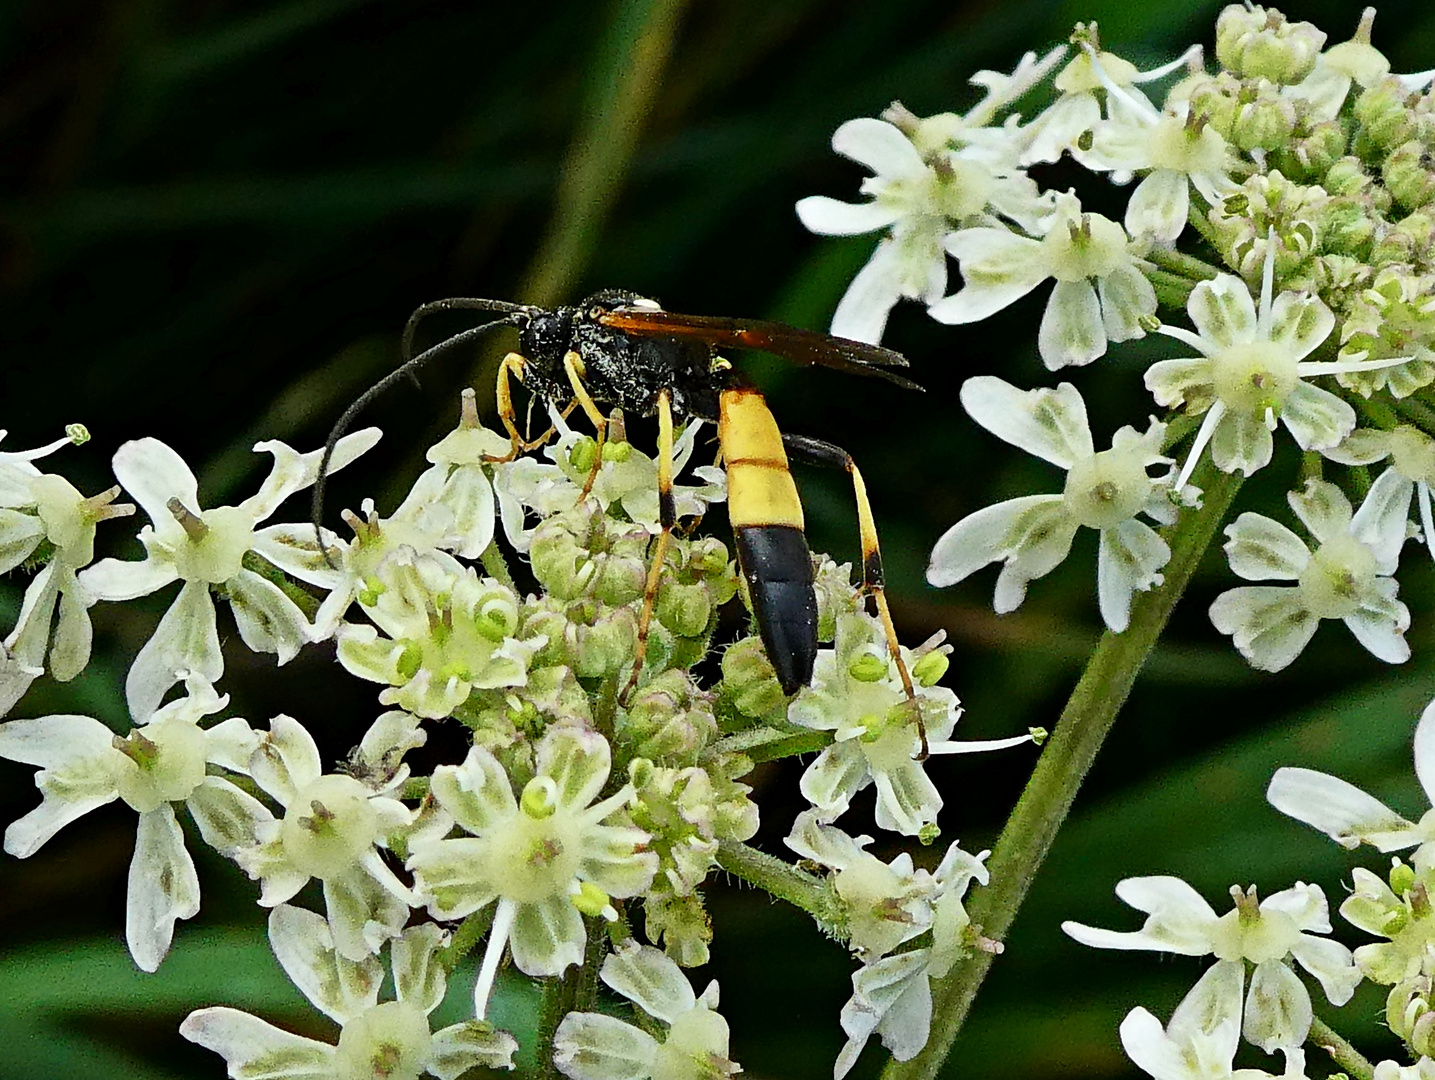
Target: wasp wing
x=788, y=342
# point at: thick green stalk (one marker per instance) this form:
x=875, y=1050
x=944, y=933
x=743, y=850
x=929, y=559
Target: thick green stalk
x=1079, y=733
x=1342, y=1053
x=1181, y=264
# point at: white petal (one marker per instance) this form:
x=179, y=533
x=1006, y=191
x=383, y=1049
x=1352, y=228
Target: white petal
x=1006, y=531
x=1322, y=508
x=1242, y=442
x=577, y=761
x=469, y=495
x=20, y=534
x=881, y=147
x=287, y=759
x=831, y=217
x=1363, y=446
x=268, y=620
x=1126, y=295
x=547, y=937
x=1223, y=311
x=228, y=818
x=419, y=976
x=998, y=268
x=153, y=474
x=1424, y=751
x=186, y=640
x=838, y=773
x=256, y=1049
x=1147, y=1044
x=477, y=793
x=293, y=471
x=73, y=633
x=591, y=1046
x=907, y=800
x=1051, y=424
x=1180, y=921
x=1278, y=1011
x=1331, y=963
x=78, y=774
x=1211, y=1010
x=1380, y=625
x=1259, y=549
x=121, y=579
x=1176, y=382
x=163, y=887
x=1157, y=208
x=1300, y=322
x=337, y=987
x=1316, y=418
x=1130, y=559
x=650, y=979
x=1072, y=330
x=862, y=312
x=1340, y=810
x=1380, y=522
x=460, y=1047
x=363, y=914
x=1269, y=624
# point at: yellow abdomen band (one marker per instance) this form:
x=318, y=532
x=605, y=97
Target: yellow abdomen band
x=760, y=487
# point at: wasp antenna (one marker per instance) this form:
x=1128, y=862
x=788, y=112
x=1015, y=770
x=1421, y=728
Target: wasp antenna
x=454, y=303
x=405, y=370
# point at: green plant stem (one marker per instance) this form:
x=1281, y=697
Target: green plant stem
x=1172, y=290
x=1342, y=1053
x=784, y=881
x=769, y=744
x=1079, y=733
x=1417, y=413
x=495, y=566
x=1181, y=264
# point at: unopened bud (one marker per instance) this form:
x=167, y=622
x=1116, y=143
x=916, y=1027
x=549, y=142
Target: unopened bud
x=684, y=609
x=1259, y=43
x=1264, y=124
x=1402, y=877
x=1385, y=120
x=78, y=434
x=582, y=454
x=618, y=450
x=749, y=681
x=1407, y=174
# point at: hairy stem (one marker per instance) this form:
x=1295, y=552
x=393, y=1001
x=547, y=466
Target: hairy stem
x=1342, y=1053
x=1181, y=264
x=784, y=881
x=1079, y=733
x=1172, y=290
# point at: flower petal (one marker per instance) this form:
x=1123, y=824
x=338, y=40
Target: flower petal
x=1340, y=810
x=1322, y=508
x=153, y=474
x=1241, y=441
x=577, y=760
x=123, y=579
x=1223, y=311
x=1259, y=549
x=1300, y=322
x=1157, y=208
x=78, y=773
x=460, y=1047
x=477, y=793
x=650, y=979
x=185, y=642
x=1051, y=424
x=1130, y=559
x=832, y=217
x=907, y=800
x=881, y=147
x=1033, y=533
x=287, y=759
x=363, y=914
x=862, y=312
x=591, y=1046
x=547, y=937
x=1126, y=295
x=1278, y=1011
x=268, y=620
x=163, y=887
x=293, y=471
x=1316, y=418
x=454, y=876
x=1072, y=330
x=339, y=988
x=228, y=818
x=1332, y=965
x=1381, y=622
x=998, y=269
x=612, y=859
x=419, y=977
x=838, y=773
x=256, y=1049
x=1268, y=624
x=1380, y=523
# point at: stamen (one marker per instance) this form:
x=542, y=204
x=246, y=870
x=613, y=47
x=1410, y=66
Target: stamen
x=497, y=941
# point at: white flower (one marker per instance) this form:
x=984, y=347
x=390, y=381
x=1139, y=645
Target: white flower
x=389, y=1039
x=857, y=695
x=546, y=857
x=931, y=176
x=1100, y=295
x=1412, y=459
x=1104, y=491
x=446, y=632
x=206, y=549
x=1269, y=935
x=892, y=996
x=1351, y=817
x=1200, y=1041
x=1347, y=577
x=627, y=480
x=1252, y=371
x=84, y=765
x=594, y=1046
x=332, y=829
x=1177, y=149
x=1351, y=63
x=1424, y=1069
x=38, y=508
x=1058, y=128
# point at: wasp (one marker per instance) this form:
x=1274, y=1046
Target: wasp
x=621, y=349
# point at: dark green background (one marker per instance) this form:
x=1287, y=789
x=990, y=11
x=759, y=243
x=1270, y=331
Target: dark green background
x=216, y=216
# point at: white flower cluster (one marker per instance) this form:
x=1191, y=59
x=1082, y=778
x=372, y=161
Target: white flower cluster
x=1261, y=938
x=1299, y=178
x=578, y=797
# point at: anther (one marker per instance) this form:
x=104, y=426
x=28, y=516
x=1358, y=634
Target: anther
x=468, y=409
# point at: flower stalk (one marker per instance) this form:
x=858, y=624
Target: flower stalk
x=1084, y=724
x=1351, y=1060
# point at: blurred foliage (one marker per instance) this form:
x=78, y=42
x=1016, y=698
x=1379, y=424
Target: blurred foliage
x=215, y=218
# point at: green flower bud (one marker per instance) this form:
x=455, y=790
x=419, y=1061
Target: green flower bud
x=928, y=671
x=1407, y=1011
x=1263, y=124
x=620, y=579
x=591, y=900
x=563, y=567
x=411, y=658
x=748, y=680
x=1259, y=43
x=668, y=719
x=868, y=668
x=618, y=450
x=708, y=557
x=682, y=925
x=1385, y=121
x=684, y=609
x=582, y=454
x=606, y=645
x=1346, y=227
x=1214, y=99
x=1408, y=175
x=1311, y=152
x=1402, y=877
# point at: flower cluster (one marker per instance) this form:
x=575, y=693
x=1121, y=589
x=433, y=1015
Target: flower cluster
x=585, y=790
x=1298, y=176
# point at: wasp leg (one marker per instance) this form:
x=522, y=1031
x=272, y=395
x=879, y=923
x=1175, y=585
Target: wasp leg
x=667, y=518
x=817, y=452
x=573, y=365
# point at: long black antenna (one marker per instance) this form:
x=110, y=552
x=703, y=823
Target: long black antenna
x=404, y=370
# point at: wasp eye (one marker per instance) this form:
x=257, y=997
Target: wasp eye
x=596, y=312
